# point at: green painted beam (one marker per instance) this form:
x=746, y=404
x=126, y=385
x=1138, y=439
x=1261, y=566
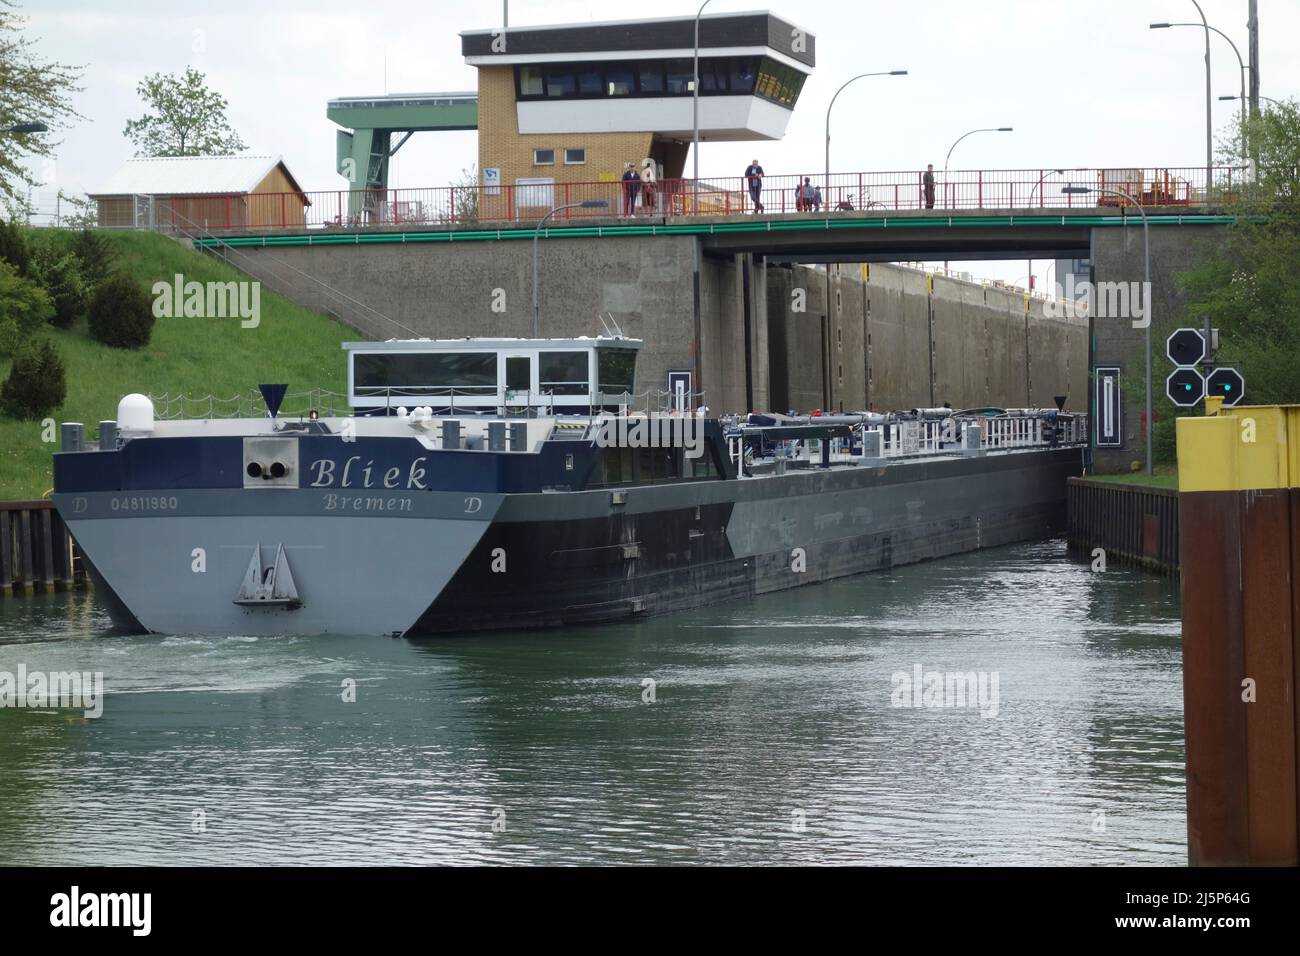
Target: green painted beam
x=416, y=118
x=332, y=238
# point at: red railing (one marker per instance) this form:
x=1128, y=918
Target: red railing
x=779, y=195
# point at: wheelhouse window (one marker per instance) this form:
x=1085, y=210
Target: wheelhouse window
x=740, y=78
x=428, y=373
x=719, y=76
x=615, y=369
x=530, y=81
x=680, y=73
x=779, y=83
x=650, y=77
x=564, y=373
x=620, y=81
x=518, y=373
x=590, y=81
x=561, y=81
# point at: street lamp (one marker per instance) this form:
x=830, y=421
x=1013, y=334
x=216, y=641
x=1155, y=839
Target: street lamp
x=695, y=109
x=537, y=234
x=1146, y=288
x=995, y=129
x=1240, y=61
x=26, y=128
x=1209, y=117
x=828, y=126
x=1266, y=99
x=1054, y=172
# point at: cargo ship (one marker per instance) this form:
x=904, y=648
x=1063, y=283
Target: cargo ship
x=478, y=484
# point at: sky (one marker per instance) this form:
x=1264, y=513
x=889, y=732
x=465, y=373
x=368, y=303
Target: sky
x=1084, y=83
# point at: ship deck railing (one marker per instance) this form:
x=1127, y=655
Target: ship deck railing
x=905, y=438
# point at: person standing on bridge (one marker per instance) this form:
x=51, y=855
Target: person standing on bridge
x=631, y=186
x=754, y=177
x=648, y=190
x=927, y=181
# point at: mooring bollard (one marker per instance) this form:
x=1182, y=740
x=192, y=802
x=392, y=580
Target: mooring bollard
x=1239, y=517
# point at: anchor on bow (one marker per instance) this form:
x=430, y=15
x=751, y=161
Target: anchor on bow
x=271, y=586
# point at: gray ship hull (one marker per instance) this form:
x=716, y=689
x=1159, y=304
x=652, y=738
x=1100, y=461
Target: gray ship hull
x=423, y=562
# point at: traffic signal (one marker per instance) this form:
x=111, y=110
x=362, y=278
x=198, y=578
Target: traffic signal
x=1186, y=347
x=1228, y=384
x=1185, y=387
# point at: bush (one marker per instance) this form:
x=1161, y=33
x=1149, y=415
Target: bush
x=36, y=385
x=13, y=246
x=96, y=255
x=24, y=308
x=63, y=283
x=121, y=313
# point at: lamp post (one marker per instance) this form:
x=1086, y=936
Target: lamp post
x=1209, y=118
x=537, y=234
x=26, y=128
x=695, y=110
x=992, y=129
x=1240, y=61
x=828, y=125
x=1146, y=288
x=1266, y=99
x=1054, y=172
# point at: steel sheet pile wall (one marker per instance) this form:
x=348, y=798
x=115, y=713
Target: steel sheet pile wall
x=1239, y=480
x=36, y=551
x=1136, y=524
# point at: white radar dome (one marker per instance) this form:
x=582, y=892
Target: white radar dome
x=135, y=415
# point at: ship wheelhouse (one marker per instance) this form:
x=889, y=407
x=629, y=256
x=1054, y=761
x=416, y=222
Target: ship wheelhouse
x=500, y=377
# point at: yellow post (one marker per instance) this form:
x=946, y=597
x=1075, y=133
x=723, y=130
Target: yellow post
x=1239, y=548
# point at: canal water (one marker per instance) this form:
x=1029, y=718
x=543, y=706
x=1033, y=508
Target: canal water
x=779, y=730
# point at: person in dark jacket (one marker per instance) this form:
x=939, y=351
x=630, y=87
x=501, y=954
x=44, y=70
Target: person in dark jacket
x=927, y=181
x=631, y=186
x=754, y=177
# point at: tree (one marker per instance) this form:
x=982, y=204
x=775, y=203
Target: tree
x=13, y=246
x=121, y=313
x=1249, y=286
x=465, y=195
x=24, y=308
x=96, y=255
x=62, y=280
x=31, y=91
x=37, y=384
x=77, y=212
x=186, y=118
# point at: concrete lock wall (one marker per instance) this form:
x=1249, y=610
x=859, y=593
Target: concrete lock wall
x=1117, y=256
x=884, y=334
x=901, y=338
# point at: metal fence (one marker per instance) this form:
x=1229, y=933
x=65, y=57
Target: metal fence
x=779, y=195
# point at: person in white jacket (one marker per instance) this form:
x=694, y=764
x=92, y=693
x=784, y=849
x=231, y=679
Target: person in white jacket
x=649, y=190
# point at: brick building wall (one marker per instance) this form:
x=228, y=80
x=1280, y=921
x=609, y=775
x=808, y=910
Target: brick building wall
x=502, y=146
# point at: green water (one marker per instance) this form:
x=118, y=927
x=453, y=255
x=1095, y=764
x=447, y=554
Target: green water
x=772, y=736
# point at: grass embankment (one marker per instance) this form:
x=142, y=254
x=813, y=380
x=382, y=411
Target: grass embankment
x=1166, y=476
x=197, y=357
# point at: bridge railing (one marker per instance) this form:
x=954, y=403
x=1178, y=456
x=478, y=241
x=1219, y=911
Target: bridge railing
x=808, y=193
